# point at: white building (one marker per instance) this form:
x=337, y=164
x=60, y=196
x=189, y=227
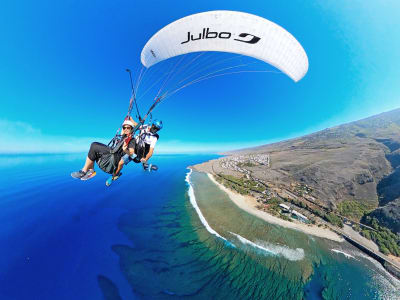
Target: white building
x=285, y=207
x=300, y=216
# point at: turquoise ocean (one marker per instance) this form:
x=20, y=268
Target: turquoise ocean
x=170, y=234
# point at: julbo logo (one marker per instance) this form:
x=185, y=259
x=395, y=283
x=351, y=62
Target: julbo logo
x=207, y=34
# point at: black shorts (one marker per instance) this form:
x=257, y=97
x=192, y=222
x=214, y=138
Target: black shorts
x=97, y=150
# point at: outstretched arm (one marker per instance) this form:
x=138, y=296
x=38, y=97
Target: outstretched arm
x=145, y=159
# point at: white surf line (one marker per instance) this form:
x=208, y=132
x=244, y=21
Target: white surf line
x=288, y=253
x=196, y=207
x=246, y=241
x=394, y=282
x=344, y=253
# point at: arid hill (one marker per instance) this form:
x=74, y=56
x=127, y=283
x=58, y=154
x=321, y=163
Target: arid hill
x=356, y=161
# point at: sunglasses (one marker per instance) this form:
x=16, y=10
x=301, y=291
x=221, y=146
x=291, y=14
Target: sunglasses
x=126, y=127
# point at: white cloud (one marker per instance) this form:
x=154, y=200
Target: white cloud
x=20, y=137
x=14, y=128
x=176, y=146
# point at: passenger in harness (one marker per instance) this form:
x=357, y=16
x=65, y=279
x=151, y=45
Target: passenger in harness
x=143, y=144
x=112, y=159
x=109, y=159
x=146, y=140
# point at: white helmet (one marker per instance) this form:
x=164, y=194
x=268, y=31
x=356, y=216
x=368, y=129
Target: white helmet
x=128, y=122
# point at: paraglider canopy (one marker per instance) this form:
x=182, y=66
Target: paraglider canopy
x=229, y=31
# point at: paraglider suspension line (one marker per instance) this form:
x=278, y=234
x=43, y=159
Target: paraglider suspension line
x=133, y=98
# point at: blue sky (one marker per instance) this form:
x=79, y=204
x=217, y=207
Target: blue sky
x=63, y=82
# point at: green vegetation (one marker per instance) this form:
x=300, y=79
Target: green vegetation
x=246, y=164
x=243, y=187
x=233, y=179
x=354, y=210
x=240, y=184
x=275, y=209
x=388, y=242
x=273, y=206
x=301, y=204
x=258, y=188
x=274, y=201
x=329, y=217
x=234, y=183
x=333, y=219
x=303, y=189
x=286, y=218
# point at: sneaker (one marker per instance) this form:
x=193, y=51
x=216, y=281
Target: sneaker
x=112, y=178
x=78, y=175
x=89, y=174
x=149, y=167
x=117, y=176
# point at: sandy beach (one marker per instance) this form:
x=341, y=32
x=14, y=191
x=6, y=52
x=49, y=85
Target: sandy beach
x=248, y=204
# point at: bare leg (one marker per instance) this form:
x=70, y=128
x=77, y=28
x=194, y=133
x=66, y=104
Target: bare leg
x=120, y=166
x=89, y=164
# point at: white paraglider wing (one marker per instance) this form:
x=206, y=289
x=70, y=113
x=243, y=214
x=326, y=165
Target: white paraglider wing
x=229, y=31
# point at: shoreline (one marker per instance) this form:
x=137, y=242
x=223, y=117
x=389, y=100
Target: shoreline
x=248, y=203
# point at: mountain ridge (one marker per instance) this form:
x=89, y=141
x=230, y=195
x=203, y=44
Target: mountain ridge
x=356, y=161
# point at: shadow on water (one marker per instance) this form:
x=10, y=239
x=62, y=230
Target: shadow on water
x=108, y=288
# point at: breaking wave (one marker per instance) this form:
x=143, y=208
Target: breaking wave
x=196, y=207
x=272, y=249
x=342, y=252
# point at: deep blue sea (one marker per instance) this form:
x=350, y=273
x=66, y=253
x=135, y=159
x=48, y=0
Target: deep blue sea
x=142, y=238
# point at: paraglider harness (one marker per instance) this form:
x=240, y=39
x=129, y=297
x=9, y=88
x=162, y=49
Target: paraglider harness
x=108, y=162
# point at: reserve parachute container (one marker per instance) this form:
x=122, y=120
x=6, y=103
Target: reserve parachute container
x=228, y=31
